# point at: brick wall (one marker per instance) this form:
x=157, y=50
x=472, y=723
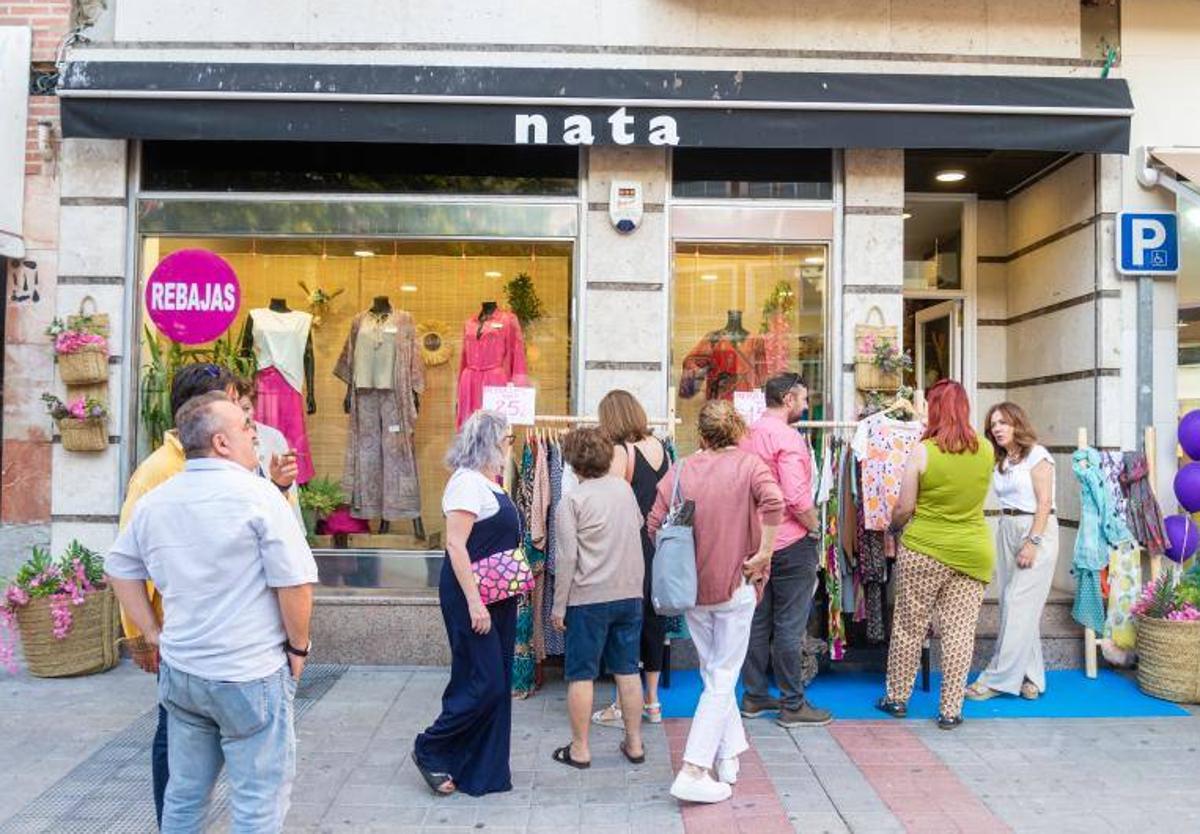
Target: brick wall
x=29, y=369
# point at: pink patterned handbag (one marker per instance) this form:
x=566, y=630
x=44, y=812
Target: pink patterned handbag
x=503, y=575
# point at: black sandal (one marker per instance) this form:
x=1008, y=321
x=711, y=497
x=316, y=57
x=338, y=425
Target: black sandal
x=948, y=723
x=896, y=709
x=632, y=758
x=435, y=781
x=563, y=756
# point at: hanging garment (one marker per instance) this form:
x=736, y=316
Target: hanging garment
x=554, y=644
x=830, y=547
x=539, y=517
x=381, y=473
x=493, y=353
x=1100, y=528
x=725, y=366
x=874, y=580
x=1124, y=585
x=280, y=340
x=1142, y=508
x=882, y=446
x=525, y=656
x=280, y=406
x=777, y=345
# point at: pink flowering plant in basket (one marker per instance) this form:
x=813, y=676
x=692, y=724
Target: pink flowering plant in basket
x=81, y=408
x=1165, y=598
x=81, y=336
x=65, y=582
x=885, y=354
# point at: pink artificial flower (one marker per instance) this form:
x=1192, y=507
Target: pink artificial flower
x=73, y=341
x=17, y=596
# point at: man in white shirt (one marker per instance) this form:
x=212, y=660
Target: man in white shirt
x=236, y=576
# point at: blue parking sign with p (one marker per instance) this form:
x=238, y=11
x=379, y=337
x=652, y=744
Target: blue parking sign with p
x=1147, y=243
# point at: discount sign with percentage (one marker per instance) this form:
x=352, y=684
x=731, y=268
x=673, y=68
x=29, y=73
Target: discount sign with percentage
x=515, y=402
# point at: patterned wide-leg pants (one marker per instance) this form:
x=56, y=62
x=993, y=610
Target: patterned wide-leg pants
x=926, y=586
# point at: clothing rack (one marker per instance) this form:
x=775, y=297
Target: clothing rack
x=670, y=422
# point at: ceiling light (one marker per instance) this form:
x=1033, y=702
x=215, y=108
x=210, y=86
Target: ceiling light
x=708, y=276
x=408, y=288
x=815, y=259
x=951, y=176
x=363, y=253
x=493, y=274
x=906, y=215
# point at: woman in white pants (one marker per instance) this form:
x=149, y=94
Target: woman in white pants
x=1026, y=553
x=737, y=508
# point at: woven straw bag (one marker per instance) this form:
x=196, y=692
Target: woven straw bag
x=89, y=647
x=867, y=375
x=1169, y=659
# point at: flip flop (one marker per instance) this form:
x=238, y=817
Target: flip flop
x=435, y=781
x=563, y=756
x=632, y=758
x=610, y=716
x=652, y=713
x=980, y=692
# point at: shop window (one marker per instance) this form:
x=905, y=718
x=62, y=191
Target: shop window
x=741, y=314
x=359, y=168
x=719, y=173
x=1187, y=288
x=441, y=286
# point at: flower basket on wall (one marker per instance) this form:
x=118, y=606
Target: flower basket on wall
x=90, y=435
x=81, y=345
x=89, y=647
x=869, y=375
x=86, y=365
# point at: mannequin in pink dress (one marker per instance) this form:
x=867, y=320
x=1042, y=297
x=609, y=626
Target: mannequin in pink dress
x=493, y=353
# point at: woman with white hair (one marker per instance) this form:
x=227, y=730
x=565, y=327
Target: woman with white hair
x=467, y=747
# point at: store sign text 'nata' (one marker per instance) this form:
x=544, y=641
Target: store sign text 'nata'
x=193, y=296
x=577, y=129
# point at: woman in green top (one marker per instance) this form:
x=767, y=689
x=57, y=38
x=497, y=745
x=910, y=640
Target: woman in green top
x=946, y=552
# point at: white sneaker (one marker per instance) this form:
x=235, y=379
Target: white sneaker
x=699, y=788
x=727, y=770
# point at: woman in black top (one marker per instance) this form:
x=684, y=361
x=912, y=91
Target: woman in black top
x=641, y=459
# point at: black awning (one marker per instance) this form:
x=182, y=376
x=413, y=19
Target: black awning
x=509, y=105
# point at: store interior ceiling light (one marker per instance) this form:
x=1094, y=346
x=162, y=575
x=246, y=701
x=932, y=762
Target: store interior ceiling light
x=408, y=288
x=906, y=215
x=708, y=276
x=363, y=253
x=814, y=259
x=951, y=176
x=492, y=274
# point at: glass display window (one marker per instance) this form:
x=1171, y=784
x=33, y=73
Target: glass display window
x=742, y=313
x=390, y=325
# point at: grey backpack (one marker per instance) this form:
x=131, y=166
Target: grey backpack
x=673, y=574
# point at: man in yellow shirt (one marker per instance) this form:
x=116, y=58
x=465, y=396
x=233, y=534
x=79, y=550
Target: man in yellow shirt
x=164, y=463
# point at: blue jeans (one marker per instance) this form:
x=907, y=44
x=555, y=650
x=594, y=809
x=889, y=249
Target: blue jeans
x=245, y=726
x=608, y=631
x=158, y=764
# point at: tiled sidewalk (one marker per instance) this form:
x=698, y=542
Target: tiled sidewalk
x=355, y=774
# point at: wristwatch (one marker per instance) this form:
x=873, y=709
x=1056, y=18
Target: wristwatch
x=1034, y=540
x=290, y=649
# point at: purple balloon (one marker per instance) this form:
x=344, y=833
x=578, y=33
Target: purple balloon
x=1189, y=434
x=1187, y=487
x=1183, y=537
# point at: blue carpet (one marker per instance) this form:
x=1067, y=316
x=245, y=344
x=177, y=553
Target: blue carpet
x=852, y=695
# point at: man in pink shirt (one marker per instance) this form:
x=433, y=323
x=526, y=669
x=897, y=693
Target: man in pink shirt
x=781, y=619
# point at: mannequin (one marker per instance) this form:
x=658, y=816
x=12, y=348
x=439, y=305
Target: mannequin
x=382, y=369
x=493, y=353
x=726, y=360
x=280, y=305
x=733, y=329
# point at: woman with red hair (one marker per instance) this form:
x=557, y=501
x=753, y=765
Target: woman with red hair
x=946, y=552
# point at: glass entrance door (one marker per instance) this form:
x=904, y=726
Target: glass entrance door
x=938, y=343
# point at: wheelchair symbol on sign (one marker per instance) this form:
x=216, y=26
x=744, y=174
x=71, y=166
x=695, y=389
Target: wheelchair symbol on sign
x=1158, y=258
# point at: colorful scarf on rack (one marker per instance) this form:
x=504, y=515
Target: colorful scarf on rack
x=1142, y=509
x=1101, y=528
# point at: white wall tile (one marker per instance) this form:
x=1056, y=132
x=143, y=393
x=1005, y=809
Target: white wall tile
x=92, y=240
x=874, y=177
x=612, y=256
x=93, y=168
x=85, y=483
x=647, y=166
x=1053, y=203
x=625, y=326
x=97, y=537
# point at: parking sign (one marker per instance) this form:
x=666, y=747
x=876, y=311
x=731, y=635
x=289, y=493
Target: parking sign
x=1147, y=243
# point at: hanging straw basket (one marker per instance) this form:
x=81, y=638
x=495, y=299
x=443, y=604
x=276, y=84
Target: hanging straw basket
x=83, y=367
x=89, y=435
x=89, y=365
x=1169, y=659
x=867, y=375
x=89, y=647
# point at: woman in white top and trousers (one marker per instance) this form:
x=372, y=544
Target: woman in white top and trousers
x=1026, y=554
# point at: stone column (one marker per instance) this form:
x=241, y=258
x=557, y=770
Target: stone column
x=623, y=309
x=872, y=251
x=85, y=486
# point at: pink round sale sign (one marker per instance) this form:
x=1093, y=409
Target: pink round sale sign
x=193, y=296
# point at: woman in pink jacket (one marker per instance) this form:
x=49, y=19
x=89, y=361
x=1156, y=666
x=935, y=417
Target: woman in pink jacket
x=738, y=505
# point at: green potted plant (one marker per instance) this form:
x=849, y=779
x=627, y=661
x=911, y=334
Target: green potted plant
x=318, y=499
